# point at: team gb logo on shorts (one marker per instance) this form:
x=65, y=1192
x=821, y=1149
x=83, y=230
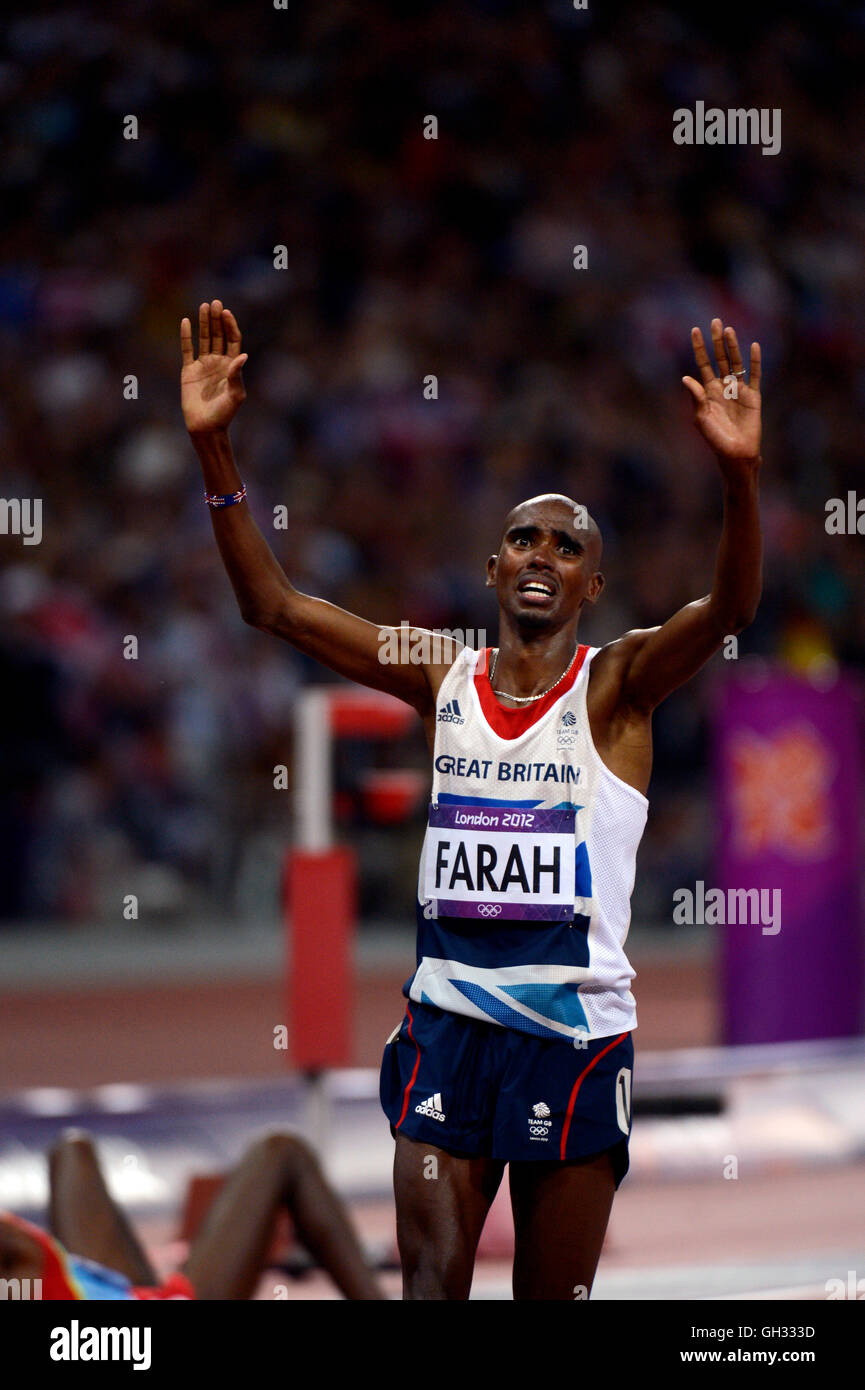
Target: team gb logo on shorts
x=540, y=1126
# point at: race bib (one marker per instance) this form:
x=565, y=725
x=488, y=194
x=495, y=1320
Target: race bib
x=501, y=861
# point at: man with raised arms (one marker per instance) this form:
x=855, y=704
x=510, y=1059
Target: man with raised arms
x=516, y=1043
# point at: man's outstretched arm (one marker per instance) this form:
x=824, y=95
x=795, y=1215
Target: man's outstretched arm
x=211, y=393
x=663, y=658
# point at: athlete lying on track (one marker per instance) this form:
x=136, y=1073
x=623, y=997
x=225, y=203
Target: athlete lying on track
x=93, y=1252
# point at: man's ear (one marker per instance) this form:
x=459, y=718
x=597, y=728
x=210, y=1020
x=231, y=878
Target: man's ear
x=596, y=585
x=491, y=571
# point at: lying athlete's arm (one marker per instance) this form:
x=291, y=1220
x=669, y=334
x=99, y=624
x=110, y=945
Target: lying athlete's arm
x=662, y=658
x=211, y=393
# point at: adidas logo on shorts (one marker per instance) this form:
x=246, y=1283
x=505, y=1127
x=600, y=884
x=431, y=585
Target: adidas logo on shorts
x=451, y=713
x=432, y=1107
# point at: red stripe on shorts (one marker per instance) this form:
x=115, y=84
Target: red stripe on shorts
x=578, y=1083
x=413, y=1075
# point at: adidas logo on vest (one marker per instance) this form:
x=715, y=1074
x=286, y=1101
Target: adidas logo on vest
x=451, y=713
x=432, y=1107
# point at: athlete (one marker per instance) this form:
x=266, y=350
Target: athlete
x=516, y=1043
x=226, y=1257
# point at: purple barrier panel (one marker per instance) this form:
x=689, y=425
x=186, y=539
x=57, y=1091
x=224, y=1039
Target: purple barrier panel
x=788, y=768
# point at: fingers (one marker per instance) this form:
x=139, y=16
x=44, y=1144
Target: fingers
x=727, y=355
x=701, y=357
x=718, y=335
x=733, y=349
x=203, y=330
x=236, y=388
x=217, y=334
x=187, y=352
x=695, y=389
x=232, y=333
x=233, y=375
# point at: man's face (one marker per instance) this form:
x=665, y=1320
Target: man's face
x=547, y=565
x=20, y=1253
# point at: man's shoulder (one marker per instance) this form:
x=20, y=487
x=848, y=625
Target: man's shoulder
x=610, y=667
x=622, y=650
x=448, y=653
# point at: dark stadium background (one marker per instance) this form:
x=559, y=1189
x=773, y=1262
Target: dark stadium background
x=304, y=128
x=406, y=257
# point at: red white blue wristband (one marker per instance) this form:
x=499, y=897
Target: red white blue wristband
x=226, y=499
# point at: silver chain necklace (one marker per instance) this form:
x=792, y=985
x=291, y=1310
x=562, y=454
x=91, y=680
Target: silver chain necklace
x=529, y=699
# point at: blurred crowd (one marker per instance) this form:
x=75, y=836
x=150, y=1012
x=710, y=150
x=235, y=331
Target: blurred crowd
x=406, y=258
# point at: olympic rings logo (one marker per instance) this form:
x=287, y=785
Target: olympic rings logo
x=489, y=909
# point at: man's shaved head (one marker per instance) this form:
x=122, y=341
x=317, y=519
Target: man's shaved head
x=584, y=525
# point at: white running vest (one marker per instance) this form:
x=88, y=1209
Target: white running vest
x=528, y=862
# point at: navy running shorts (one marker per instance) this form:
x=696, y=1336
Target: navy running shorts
x=477, y=1089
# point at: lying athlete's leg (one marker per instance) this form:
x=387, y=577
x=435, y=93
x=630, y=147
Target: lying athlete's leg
x=227, y=1257
x=85, y=1217
x=561, y=1212
x=441, y=1207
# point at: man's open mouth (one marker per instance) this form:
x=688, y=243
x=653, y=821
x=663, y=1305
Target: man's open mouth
x=536, y=588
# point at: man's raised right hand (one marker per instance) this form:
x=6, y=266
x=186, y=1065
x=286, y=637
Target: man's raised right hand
x=211, y=384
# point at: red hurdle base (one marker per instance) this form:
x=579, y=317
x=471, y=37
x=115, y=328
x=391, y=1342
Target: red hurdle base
x=320, y=902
